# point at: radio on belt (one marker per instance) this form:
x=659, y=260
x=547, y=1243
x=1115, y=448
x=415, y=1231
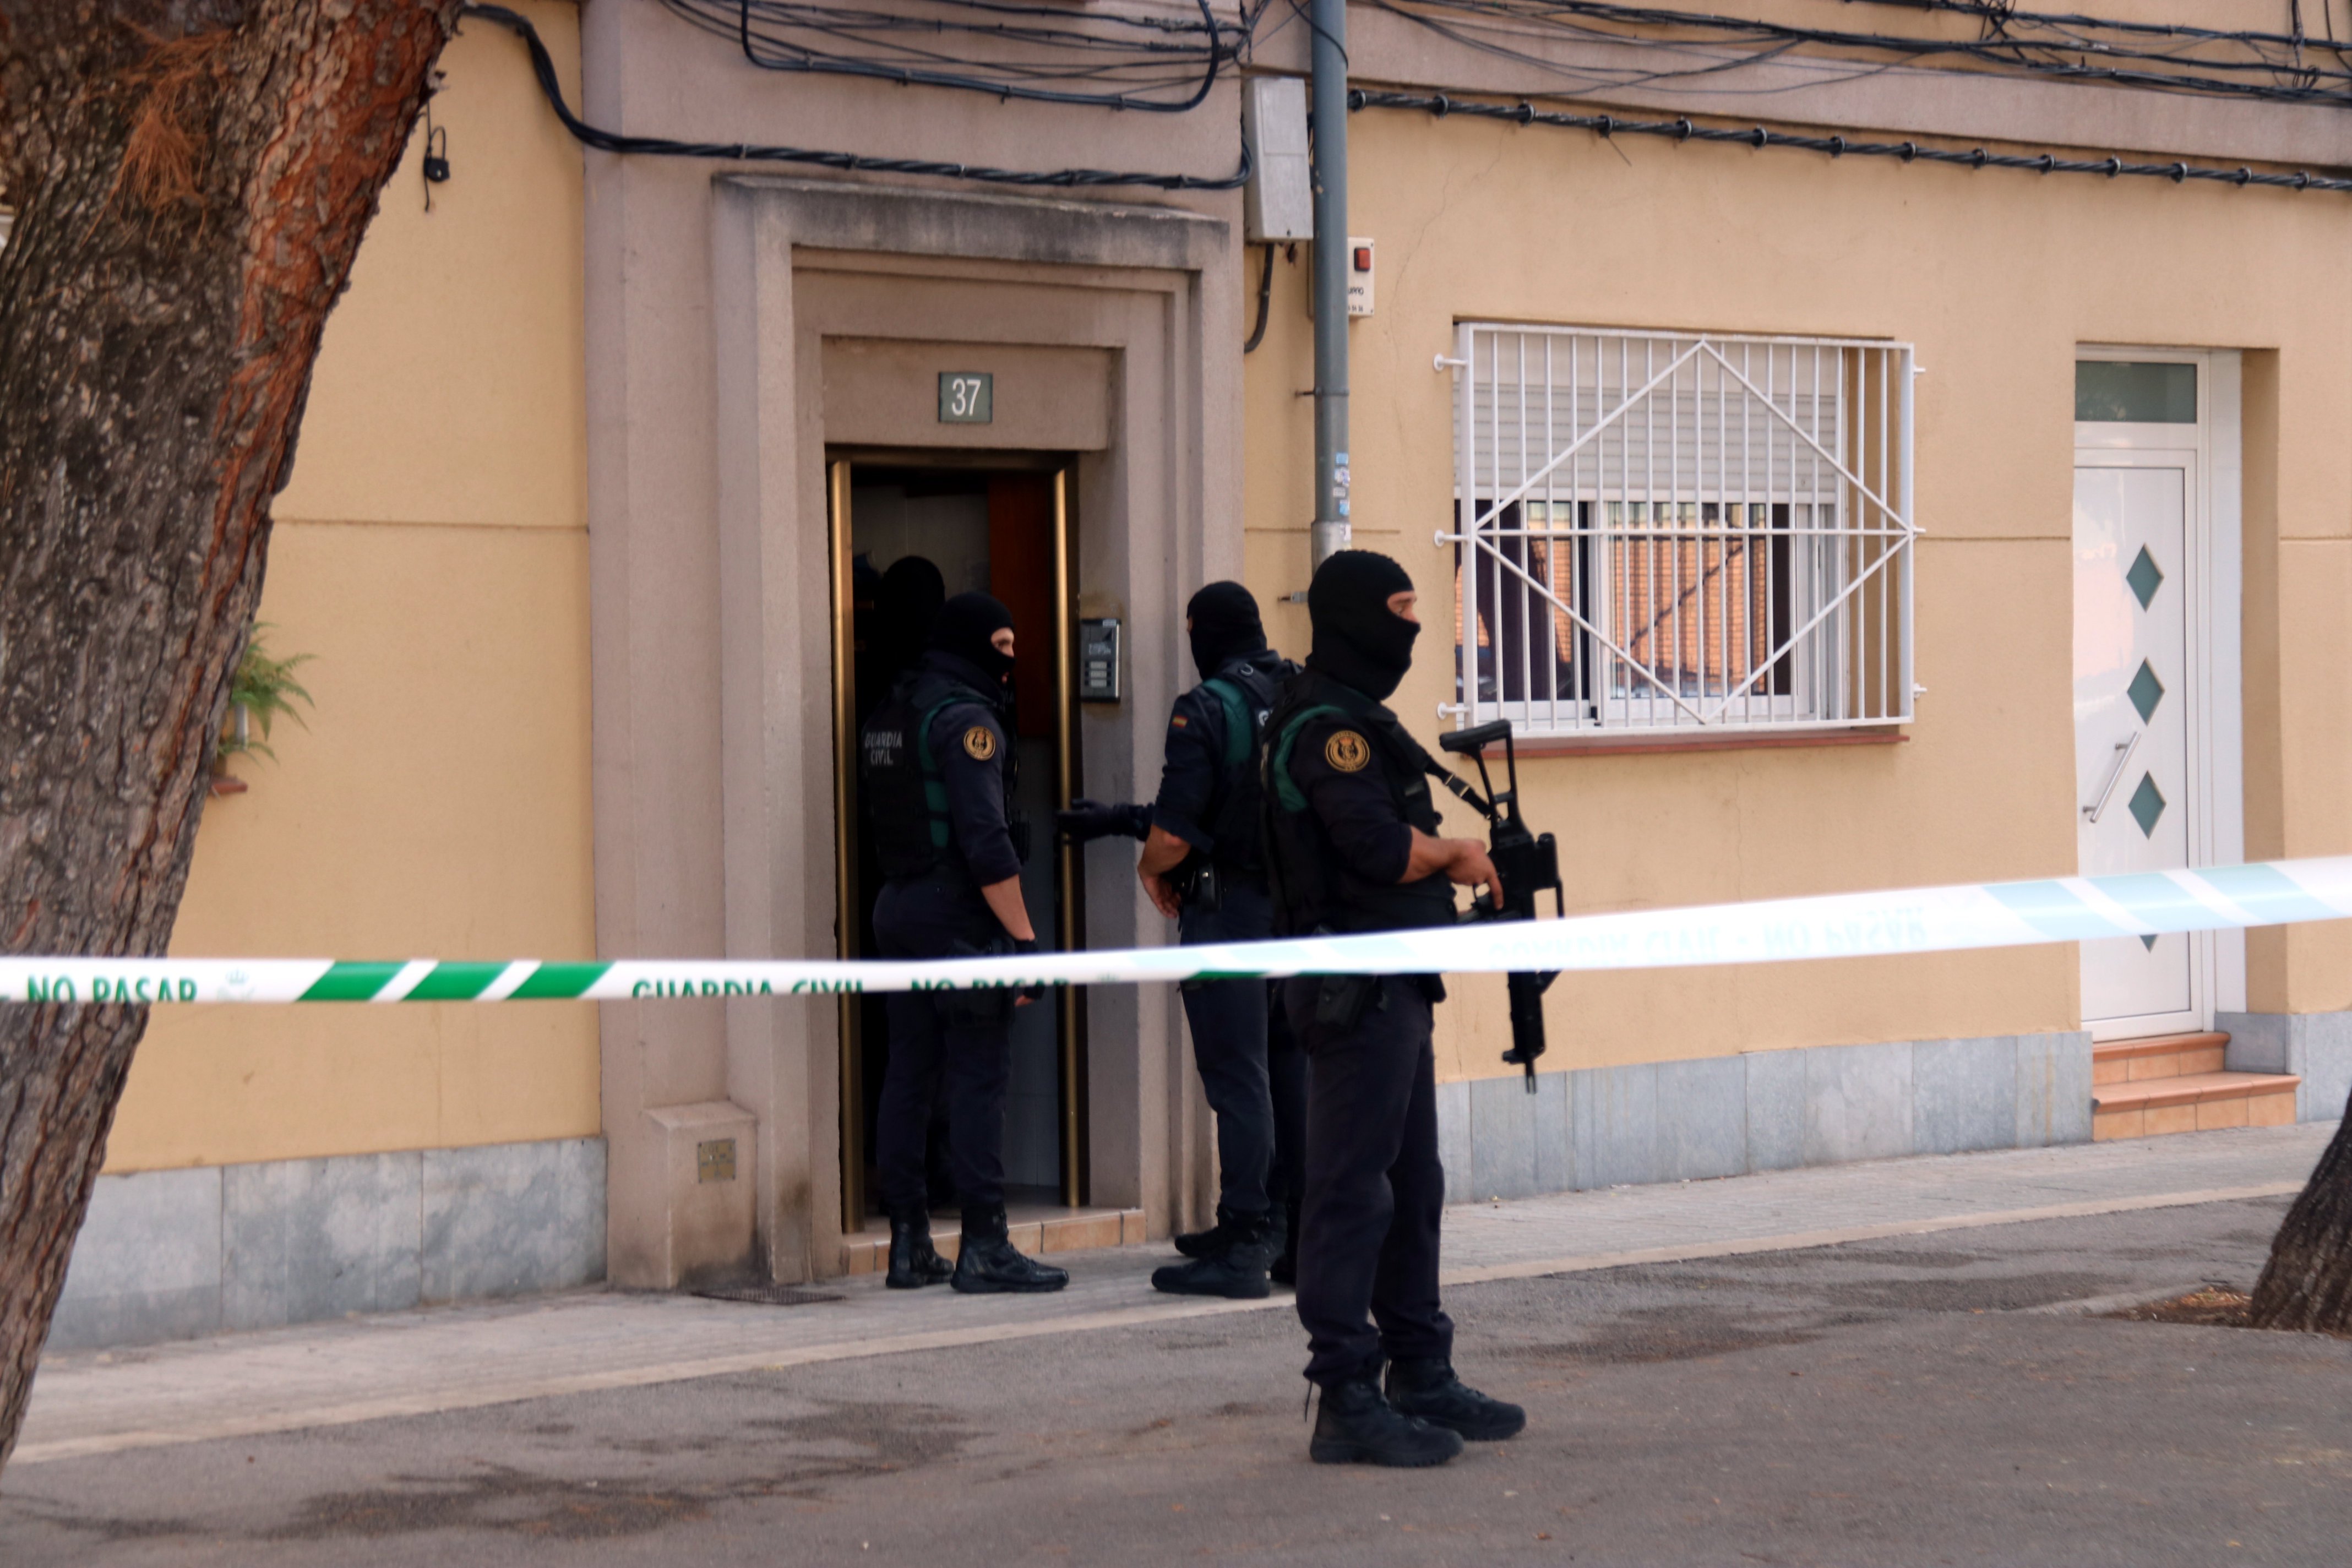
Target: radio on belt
x=1099, y=659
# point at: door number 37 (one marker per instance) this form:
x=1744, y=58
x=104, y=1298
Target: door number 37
x=967, y=397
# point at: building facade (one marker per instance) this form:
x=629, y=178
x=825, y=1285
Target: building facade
x=1827, y=507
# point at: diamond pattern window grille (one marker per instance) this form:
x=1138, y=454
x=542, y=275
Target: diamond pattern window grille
x=2146, y=804
x=1680, y=533
x=2144, y=577
x=2144, y=691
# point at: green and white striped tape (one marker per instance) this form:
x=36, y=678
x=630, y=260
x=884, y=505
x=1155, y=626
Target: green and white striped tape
x=1840, y=925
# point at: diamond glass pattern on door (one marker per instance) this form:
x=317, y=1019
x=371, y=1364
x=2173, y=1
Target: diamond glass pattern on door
x=2131, y=654
x=2146, y=804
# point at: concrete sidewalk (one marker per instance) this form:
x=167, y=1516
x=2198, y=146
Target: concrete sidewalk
x=453, y=1359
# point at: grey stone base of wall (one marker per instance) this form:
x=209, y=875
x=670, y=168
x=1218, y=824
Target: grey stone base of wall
x=1766, y=1111
x=2314, y=1046
x=172, y=1254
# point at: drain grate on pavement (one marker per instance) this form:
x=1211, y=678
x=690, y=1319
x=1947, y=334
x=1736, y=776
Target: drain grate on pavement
x=768, y=1295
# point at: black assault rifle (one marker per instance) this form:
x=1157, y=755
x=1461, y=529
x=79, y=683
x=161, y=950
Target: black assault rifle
x=1527, y=863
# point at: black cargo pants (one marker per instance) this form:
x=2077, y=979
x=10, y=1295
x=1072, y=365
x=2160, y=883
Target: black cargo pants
x=1367, y=1238
x=1230, y=1035
x=955, y=1044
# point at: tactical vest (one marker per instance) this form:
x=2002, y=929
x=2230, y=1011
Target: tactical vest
x=1247, y=693
x=1314, y=887
x=903, y=790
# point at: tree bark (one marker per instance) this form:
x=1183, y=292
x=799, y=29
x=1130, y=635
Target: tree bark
x=2307, y=1283
x=191, y=180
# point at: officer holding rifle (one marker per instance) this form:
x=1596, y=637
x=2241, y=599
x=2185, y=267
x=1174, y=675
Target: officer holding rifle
x=1204, y=867
x=1354, y=844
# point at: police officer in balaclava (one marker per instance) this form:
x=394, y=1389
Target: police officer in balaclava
x=1204, y=867
x=936, y=761
x=895, y=612
x=1354, y=844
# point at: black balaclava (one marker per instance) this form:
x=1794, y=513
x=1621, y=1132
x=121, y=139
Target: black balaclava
x=964, y=624
x=1358, y=640
x=1225, y=624
x=905, y=605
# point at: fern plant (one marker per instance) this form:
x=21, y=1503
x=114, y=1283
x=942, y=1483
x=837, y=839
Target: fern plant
x=262, y=688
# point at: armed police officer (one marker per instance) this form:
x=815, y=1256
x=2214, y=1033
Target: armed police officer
x=1204, y=867
x=1353, y=844
x=938, y=765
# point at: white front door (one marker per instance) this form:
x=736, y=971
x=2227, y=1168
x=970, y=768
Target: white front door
x=2132, y=686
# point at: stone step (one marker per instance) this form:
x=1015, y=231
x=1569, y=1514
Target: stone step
x=2163, y=1055
x=2191, y=1102
x=1036, y=1229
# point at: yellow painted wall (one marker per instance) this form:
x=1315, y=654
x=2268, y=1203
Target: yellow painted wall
x=1996, y=279
x=430, y=554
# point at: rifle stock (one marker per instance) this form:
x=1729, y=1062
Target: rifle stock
x=1528, y=865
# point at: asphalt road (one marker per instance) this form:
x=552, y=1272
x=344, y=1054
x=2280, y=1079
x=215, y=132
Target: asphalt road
x=1876, y=1403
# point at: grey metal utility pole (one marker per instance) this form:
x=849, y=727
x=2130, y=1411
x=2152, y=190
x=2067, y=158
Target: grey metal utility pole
x=1330, y=117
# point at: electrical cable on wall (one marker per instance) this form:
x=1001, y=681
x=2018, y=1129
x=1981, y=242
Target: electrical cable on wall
x=436, y=161
x=1265, y=298
x=1151, y=63
x=543, y=67
x=1683, y=129
x=1521, y=112
x=1679, y=45
x=2000, y=14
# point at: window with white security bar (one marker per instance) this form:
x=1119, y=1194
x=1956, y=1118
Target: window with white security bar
x=1677, y=534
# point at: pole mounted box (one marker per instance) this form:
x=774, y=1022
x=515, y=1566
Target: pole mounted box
x=1278, y=203
x=1359, y=272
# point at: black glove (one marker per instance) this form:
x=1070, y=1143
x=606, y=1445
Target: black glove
x=1028, y=944
x=1088, y=820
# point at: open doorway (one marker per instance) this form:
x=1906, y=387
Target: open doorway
x=988, y=526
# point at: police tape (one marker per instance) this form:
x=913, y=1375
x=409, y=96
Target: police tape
x=1777, y=931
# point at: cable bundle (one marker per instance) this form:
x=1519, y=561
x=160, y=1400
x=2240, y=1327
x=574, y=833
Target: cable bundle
x=1052, y=54
x=1685, y=47
x=542, y=66
x=1685, y=129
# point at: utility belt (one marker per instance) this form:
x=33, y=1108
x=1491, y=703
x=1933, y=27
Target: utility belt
x=1341, y=1001
x=1202, y=884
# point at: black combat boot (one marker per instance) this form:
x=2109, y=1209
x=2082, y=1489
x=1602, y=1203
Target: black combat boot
x=1209, y=1242
x=1284, y=1267
x=989, y=1262
x=914, y=1262
x=1238, y=1272
x=1429, y=1390
x=1357, y=1426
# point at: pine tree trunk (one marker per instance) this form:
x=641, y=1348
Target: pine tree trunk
x=191, y=180
x=2307, y=1283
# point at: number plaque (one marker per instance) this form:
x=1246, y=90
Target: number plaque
x=967, y=397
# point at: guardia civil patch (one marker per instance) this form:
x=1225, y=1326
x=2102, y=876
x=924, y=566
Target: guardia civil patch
x=1348, y=752
x=980, y=743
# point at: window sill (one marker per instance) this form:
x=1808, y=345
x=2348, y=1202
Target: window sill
x=1751, y=740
